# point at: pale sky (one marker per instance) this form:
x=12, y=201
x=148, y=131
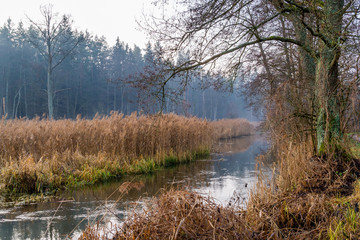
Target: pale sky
x=109, y=18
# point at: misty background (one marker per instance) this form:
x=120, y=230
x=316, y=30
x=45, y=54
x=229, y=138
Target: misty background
x=97, y=78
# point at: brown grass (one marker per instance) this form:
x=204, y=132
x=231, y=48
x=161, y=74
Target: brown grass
x=40, y=155
x=180, y=215
x=229, y=128
x=311, y=198
x=310, y=194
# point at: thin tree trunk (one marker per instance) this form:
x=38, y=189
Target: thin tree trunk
x=50, y=92
x=25, y=95
x=215, y=110
x=107, y=98
x=16, y=104
x=203, y=104
x=6, y=110
x=122, y=100
x=114, y=108
x=286, y=50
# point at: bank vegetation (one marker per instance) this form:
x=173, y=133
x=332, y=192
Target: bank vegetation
x=43, y=156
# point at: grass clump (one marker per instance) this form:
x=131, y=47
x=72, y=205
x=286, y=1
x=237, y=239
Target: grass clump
x=354, y=144
x=346, y=226
x=180, y=215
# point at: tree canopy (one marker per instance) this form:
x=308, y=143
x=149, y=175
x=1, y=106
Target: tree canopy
x=301, y=56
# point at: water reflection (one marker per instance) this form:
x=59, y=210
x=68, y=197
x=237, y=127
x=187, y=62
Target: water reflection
x=236, y=145
x=230, y=169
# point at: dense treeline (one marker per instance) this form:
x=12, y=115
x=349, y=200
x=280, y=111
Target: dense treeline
x=94, y=78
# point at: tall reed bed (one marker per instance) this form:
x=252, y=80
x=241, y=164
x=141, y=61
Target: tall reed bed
x=228, y=128
x=41, y=155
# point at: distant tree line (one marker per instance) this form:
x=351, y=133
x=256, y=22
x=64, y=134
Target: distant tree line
x=93, y=78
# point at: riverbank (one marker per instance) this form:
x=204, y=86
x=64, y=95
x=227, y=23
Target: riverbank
x=311, y=198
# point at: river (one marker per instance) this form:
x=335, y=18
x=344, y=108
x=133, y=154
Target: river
x=231, y=169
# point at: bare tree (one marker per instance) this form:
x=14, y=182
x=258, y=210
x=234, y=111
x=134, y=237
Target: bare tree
x=222, y=36
x=55, y=40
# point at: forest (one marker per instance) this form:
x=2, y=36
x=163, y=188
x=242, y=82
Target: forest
x=96, y=78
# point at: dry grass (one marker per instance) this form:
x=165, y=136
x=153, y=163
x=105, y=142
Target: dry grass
x=41, y=155
x=309, y=195
x=181, y=215
x=228, y=128
x=312, y=198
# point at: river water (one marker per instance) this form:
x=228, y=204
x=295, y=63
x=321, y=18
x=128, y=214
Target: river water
x=231, y=169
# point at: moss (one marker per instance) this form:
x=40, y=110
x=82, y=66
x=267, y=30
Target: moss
x=320, y=132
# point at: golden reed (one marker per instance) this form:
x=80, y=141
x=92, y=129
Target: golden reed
x=43, y=155
x=228, y=128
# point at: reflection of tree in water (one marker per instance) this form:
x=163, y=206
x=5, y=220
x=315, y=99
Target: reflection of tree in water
x=234, y=145
x=240, y=162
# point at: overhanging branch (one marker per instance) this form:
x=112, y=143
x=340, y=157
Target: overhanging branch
x=243, y=45
x=192, y=64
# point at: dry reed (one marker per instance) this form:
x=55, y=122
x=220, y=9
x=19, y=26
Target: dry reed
x=181, y=215
x=41, y=155
x=228, y=128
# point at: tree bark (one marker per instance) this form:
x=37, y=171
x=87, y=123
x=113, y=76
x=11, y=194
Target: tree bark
x=327, y=81
x=328, y=129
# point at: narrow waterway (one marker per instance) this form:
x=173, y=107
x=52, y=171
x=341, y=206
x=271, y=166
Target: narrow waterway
x=231, y=169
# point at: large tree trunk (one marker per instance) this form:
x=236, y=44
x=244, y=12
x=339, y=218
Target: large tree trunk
x=306, y=77
x=328, y=129
x=327, y=81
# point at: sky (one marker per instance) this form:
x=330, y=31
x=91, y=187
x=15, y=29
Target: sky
x=109, y=18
